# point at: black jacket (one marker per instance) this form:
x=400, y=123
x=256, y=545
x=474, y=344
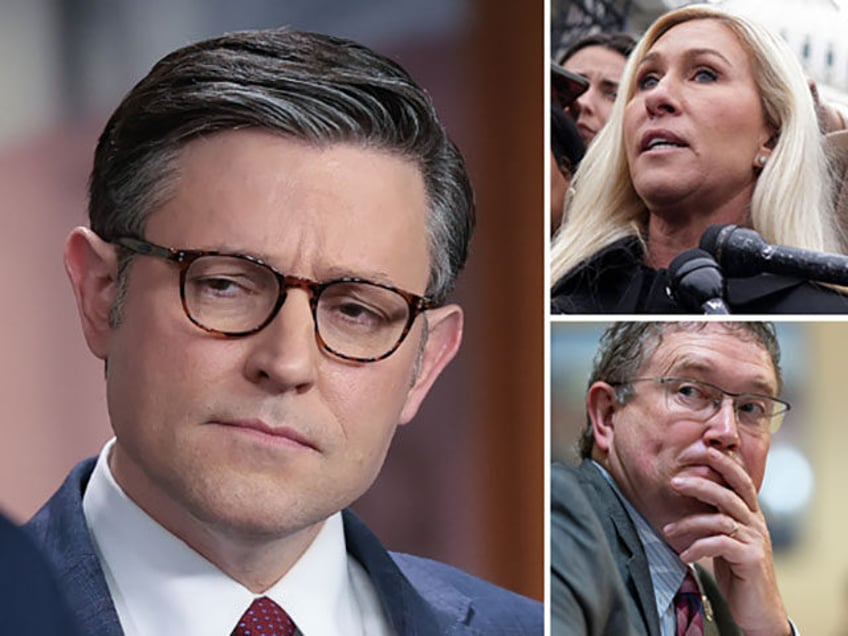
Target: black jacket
x=616, y=281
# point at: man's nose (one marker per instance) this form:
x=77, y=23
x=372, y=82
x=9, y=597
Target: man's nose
x=723, y=427
x=283, y=356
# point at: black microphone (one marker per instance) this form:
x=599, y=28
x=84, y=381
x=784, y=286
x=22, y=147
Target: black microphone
x=742, y=252
x=695, y=281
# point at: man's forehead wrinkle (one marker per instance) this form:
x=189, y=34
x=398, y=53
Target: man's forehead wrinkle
x=685, y=363
x=689, y=362
x=329, y=271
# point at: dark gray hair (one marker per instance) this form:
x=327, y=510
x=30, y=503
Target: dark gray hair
x=312, y=87
x=626, y=346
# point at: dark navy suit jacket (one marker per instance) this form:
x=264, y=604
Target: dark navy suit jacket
x=420, y=596
x=30, y=601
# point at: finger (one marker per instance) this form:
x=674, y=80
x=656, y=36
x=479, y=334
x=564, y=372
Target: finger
x=694, y=527
x=735, y=475
x=722, y=498
x=744, y=558
x=814, y=90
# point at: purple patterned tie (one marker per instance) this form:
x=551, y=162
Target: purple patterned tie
x=264, y=618
x=688, y=608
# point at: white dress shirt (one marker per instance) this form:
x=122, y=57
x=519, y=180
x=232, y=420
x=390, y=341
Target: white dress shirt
x=161, y=586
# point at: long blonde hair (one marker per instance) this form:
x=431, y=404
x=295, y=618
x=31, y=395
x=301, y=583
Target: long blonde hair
x=791, y=203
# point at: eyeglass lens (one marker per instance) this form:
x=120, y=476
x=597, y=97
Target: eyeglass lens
x=754, y=411
x=234, y=295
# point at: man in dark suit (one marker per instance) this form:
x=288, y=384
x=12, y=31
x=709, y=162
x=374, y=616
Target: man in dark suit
x=277, y=219
x=679, y=418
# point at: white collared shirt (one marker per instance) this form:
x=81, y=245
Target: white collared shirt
x=160, y=585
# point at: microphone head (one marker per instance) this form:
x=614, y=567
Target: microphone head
x=738, y=250
x=696, y=282
x=714, y=237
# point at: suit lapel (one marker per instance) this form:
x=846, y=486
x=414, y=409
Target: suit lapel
x=61, y=531
x=407, y=609
x=625, y=545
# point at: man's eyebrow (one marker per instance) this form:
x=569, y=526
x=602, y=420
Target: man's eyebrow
x=373, y=275
x=332, y=272
x=759, y=383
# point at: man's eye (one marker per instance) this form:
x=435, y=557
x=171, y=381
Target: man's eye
x=219, y=287
x=754, y=408
x=350, y=314
x=690, y=391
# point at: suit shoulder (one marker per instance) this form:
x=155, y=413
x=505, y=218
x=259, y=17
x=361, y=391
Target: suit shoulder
x=493, y=609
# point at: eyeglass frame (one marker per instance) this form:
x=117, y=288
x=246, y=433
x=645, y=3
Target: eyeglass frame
x=662, y=380
x=183, y=258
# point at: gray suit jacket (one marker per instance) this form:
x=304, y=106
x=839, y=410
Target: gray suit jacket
x=632, y=564
x=420, y=596
x=587, y=595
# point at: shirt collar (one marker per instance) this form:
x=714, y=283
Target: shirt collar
x=160, y=585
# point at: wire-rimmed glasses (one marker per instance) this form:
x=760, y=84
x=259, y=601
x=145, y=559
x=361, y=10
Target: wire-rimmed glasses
x=703, y=400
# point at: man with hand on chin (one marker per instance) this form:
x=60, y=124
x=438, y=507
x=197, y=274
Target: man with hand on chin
x=679, y=422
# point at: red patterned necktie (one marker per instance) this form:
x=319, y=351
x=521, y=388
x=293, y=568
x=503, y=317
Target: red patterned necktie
x=264, y=618
x=688, y=608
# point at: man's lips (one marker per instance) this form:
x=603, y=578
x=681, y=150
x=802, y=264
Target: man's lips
x=280, y=435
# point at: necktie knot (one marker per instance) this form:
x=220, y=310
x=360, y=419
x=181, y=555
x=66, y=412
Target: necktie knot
x=688, y=608
x=264, y=618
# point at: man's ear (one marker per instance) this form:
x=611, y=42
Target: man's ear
x=91, y=264
x=443, y=340
x=601, y=405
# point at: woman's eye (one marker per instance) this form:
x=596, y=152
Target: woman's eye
x=705, y=75
x=647, y=81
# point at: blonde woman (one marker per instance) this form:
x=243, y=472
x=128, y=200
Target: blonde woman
x=714, y=124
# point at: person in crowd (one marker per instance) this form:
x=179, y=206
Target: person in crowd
x=567, y=147
x=277, y=220
x=600, y=58
x=715, y=124
x=679, y=422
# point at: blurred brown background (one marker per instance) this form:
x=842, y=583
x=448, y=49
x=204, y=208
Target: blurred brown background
x=464, y=482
